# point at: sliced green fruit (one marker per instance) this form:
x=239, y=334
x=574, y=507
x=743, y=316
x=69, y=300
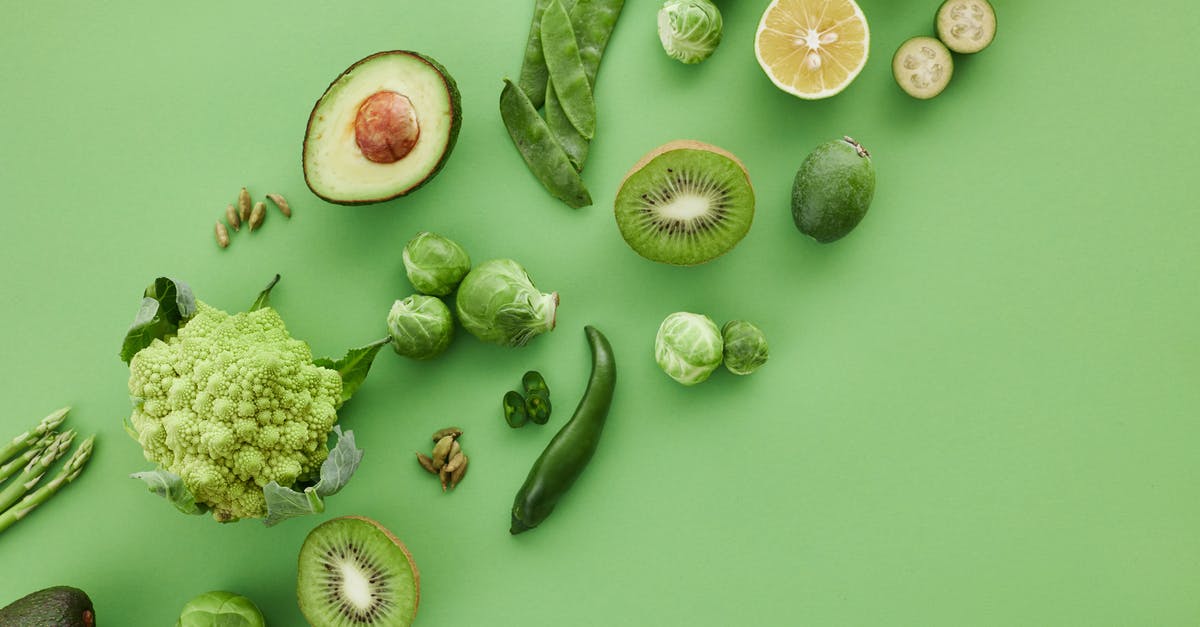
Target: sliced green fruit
x=382, y=129
x=833, y=190
x=922, y=67
x=966, y=26
x=684, y=203
x=354, y=573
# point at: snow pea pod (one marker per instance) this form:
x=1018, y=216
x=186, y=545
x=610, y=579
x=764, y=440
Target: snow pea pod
x=570, y=80
x=572, y=447
x=533, y=67
x=593, y=21
x=541, y=153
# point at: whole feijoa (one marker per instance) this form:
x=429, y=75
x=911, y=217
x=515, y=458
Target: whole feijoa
x=833, y=190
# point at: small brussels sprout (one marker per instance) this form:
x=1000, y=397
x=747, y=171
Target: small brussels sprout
x=220, y=609
x=745, y=347
x=689, y=29
x=688, y=347
x=435, y=265
x=421, y=326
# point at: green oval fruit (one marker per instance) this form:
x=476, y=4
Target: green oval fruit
x=382, y=129
x=833, y=190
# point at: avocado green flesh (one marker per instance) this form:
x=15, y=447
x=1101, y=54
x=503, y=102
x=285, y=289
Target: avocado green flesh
x=334, y=166
x=832, y=191
x=61, y=606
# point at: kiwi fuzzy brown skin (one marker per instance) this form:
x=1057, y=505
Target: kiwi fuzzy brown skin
x=692, y=145
x=416, y=573
x=455, y=126
x=682, y=144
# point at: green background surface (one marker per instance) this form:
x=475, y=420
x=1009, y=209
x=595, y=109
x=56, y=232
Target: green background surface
x=981, y=407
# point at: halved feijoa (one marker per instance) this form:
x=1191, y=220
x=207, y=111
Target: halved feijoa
x=922, y=67
x=382, y=129
x=966, y=26
x=685, y=203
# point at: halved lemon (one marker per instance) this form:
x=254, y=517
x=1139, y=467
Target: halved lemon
x=812, y=48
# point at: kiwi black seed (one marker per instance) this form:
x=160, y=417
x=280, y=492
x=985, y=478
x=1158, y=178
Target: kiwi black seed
x=354, y=573
x=685, y=203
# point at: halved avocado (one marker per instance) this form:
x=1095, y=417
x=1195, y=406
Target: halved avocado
x=382, y=129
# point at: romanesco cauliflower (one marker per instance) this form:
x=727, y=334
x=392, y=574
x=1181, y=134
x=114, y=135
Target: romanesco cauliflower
x=231, y=403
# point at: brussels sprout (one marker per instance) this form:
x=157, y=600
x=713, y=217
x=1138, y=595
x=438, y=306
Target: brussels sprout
x=435, y=265
x=688, y=347
x=220, y=609
x=745, y=347
x=421, y=326
x=689, y=29
x=498, y=303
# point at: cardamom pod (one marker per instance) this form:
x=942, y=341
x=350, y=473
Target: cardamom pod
x=458, y=473
x=453, y=432
x=231, y=217
x=281, y=203
x=222, y=235
x=426, y=463
x=258, y=215
x=244, y=204
x=441, y=451
x=444, y=475
x=454, y=463
x=455, y=449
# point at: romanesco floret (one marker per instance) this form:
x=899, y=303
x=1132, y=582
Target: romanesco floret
x=232, y=403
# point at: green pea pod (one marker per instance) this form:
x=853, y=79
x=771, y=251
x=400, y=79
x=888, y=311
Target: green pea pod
x=537, y=407
x=514, y=409
x=572, y=141
x=533, y=68
x=566, y=69
x=534, y=74
x=593, y=22
x=573, y=446
x=541, y=153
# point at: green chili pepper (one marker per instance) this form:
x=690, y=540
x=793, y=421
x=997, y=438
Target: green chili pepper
x=542, y=154
x=514, y=410
x=533, y=382
x=569, y=79
x=537, y=407
x=593, y=22
x=572, y=447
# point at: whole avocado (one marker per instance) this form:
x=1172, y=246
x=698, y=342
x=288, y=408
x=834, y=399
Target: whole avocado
x=60, y=606
x=833, y=190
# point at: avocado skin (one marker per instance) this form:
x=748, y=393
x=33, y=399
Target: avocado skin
x=455, y=124
x=60, y=606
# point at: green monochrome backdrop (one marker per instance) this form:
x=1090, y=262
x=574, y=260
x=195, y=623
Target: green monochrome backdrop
x=982, y=407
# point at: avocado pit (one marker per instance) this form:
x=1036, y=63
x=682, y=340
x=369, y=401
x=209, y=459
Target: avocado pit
x=386, y=127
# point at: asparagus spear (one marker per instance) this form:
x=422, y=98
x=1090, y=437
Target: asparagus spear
x=35, y=469
x=70, y=470
x=19, y=443
x=18, y=462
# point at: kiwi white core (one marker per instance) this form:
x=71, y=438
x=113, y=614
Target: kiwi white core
x=355, y=586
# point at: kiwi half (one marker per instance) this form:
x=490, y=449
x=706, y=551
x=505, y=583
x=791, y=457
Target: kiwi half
x=684, y=203
x=355, y=573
